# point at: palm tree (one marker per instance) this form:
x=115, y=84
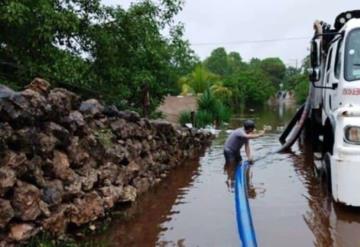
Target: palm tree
x=221, y=91
x=197, y=81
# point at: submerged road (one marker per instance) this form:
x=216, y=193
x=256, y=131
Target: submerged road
x=195, y=205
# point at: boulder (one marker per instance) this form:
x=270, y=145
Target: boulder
x=86, y=209
x=21, y=232
x=62, y=102
x=110, y=195
x=91, y=108
x=53, y=191
x=57, y=222
x=23, y=140
x=77, y=154
x=61, y=167
x=45, y=143
x=6, y=213
x=26, y=201
x=39, y=85
x=74, y=121
x=7, y=179
x=13, y=159
x=58, y=131
x=6, y=93
x=129, y=116
x=128, y=194
x=108, y=173
x=89, y=176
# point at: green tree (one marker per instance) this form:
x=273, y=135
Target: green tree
x=302, y=87
x=274, y=69
x=84, y=45
x=235, y=62
x=221, y=91
x=290, y=78
x=218, y=62
x=36, y=36
x=249, y=87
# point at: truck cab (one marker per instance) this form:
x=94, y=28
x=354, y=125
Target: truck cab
x=335, y=103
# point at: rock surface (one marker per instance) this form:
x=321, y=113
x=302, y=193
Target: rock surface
x=64, y=161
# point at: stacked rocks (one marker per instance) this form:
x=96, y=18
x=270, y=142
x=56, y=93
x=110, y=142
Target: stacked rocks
x=65, y=161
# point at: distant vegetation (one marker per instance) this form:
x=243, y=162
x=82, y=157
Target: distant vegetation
x=115, y=54
x=237, y=84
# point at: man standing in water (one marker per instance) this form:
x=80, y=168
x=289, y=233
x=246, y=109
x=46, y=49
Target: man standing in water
x=237, y=139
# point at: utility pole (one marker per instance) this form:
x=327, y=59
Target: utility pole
x=294, y=60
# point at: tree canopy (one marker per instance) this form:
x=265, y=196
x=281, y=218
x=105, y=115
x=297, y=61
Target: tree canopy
x=108, y=51
x=115, y=53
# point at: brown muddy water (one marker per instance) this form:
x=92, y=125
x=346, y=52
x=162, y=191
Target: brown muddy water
x=195, y=205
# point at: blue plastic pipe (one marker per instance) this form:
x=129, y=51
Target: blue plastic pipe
x=243, y=213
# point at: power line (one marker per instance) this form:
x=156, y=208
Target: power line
x=250, y=41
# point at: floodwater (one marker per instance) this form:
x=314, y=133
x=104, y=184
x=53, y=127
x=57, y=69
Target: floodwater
x=195, y=205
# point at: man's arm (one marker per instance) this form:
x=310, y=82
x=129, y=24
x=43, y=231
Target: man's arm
x=255, y=135
x=248, y=151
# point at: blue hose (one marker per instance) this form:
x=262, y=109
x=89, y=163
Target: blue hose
x=243, y=213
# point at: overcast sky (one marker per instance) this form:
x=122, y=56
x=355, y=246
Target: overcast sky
x=228, y=23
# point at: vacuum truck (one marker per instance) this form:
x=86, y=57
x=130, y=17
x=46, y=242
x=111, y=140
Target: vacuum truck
x=334, y=102
x=331, y=114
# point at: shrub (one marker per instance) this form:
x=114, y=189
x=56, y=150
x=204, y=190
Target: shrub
x=210, y=111
x=203, y=118
x=207, y=101
x=223, y=113
x=185, y=117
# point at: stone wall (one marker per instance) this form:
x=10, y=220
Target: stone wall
x=66, y=161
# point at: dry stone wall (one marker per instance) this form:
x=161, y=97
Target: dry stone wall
x=66, y=161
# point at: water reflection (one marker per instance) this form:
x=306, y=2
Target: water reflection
x=319, y=201
x=230, y=170
x=332, y=224
x=143, y=222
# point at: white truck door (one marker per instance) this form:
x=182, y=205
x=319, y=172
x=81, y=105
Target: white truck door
x=332, y=78
x=327, y=83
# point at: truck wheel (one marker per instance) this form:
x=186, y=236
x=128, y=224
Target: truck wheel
x=315, y=129
x=327, y=171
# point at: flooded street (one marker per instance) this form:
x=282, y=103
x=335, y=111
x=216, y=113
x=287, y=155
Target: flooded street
x=195, y=205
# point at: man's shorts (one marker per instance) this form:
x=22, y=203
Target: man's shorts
x=231, y=156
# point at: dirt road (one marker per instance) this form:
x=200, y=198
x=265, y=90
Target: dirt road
x=174, y=105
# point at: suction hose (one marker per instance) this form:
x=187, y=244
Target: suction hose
x=243, y=213
x=295, y=127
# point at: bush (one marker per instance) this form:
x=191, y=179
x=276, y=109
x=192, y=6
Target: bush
x=223, y=113
x=203, y=118
x=207, y=101
x=185, y=117
x=211, y=110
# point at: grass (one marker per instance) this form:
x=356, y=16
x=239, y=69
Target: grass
x=46, y=240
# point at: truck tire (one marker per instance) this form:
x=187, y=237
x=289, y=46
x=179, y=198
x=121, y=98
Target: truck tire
x=327, y=171
x=315, y=131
